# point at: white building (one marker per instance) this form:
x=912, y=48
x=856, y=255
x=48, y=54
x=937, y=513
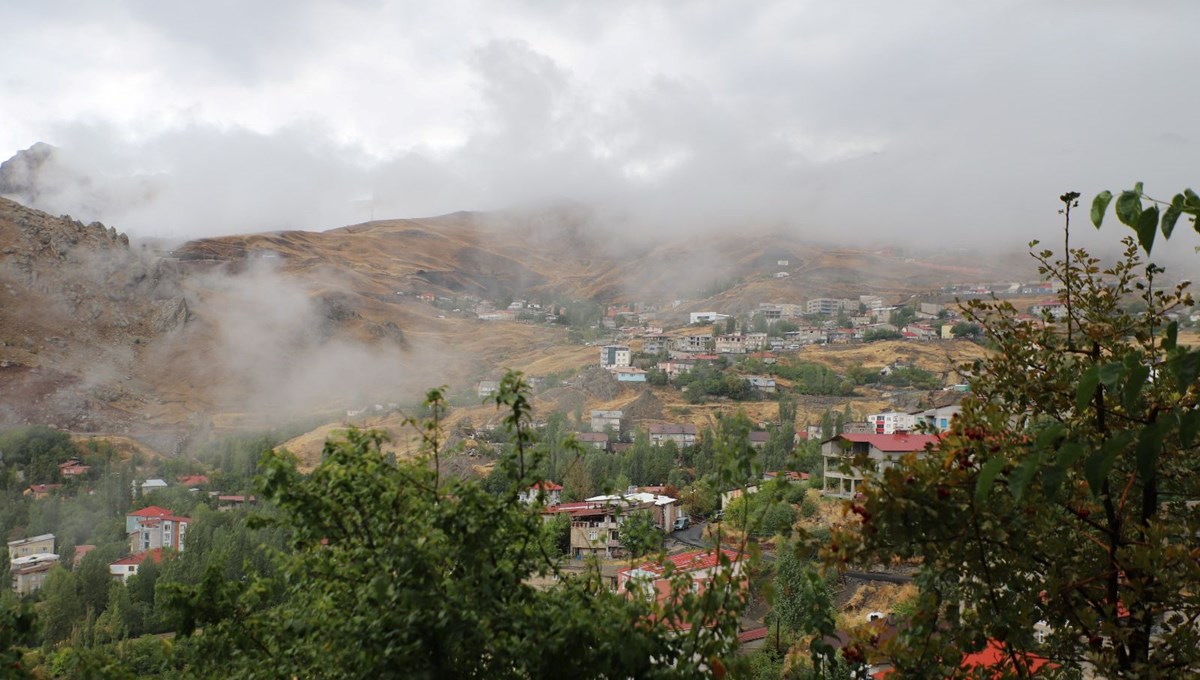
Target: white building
x=706, y=317
x=155, y=527
x=602, y=420
x=889, y=422
x=762, y=383
x=30, y=560
x=128, y=566
x=829, y=306
x=613, y=356
x=29, y=572
x=938, y=418
x=693, y=343
x=871, y=301
x=883, y=450
x=550, y=492
x=682, y=434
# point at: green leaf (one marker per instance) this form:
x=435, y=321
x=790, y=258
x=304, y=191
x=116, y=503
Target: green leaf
x=1171, y=215
x=1052, y=479
x=1129, y=208
x=1189, y=425
x=1099, y=206
x=1110, y=374
x=1172, y=336
x=1019, y=480
x=1087, y=387
x=1097, y=467
x=987, y=475
x=1049, y=434
x=1186, y=367
x=1069, y=453
x=1150, y=444
x=1147, y=227
x=1100, y=463
x=1134, y=383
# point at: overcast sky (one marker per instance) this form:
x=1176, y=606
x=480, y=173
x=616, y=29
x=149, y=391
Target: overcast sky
x=920, y=121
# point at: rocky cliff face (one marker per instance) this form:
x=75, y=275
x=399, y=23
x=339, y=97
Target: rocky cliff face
x=19, y=174
x=78, y=307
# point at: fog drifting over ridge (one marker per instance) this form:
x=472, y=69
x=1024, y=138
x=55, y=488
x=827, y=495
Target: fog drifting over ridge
x=931, y=123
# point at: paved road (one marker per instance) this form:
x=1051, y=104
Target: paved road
x=877, y=576
x=693, y=535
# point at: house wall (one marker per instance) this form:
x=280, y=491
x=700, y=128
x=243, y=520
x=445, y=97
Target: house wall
x=31, y=579
x=26, y=548
x=595, y=537
x=680, y=439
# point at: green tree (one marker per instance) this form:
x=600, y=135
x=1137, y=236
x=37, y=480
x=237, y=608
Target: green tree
x=394, y=572
x=18, y=630
x=966, y=329
x=803, y=600
x=62, y=606
x=93, y=578
x=1063, y=493
x=639, y=535
x=876, y=334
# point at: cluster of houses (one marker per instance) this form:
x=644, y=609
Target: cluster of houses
x=29, y=561
x=606, y=425
x=618, y=360
x=67, y=470
x=596, y=522
x=150, y=530
x=883, y=438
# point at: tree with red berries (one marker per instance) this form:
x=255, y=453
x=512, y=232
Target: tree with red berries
x=1059, y=516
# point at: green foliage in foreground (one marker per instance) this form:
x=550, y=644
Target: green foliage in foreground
x=395, y=572
x=1064, y=498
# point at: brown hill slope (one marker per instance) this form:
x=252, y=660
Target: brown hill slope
x=246, y=330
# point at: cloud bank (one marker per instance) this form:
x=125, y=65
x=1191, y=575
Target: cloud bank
x=929, y=122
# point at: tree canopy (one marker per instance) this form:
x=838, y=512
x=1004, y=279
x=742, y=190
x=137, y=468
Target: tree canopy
x=1058, y=515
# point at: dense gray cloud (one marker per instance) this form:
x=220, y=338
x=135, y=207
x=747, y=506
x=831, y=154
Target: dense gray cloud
x=929, y=121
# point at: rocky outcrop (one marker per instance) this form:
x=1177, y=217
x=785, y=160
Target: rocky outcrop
x=167, y=315
x=19, y=174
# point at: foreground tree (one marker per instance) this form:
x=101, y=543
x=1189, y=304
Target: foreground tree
x=1063, y=499
x=395, y=572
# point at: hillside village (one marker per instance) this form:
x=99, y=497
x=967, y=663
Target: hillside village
x=722, y=363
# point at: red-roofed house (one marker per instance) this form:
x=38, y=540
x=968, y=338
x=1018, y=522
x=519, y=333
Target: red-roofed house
x=996, y=659
x=40, y=491
x=552, y=491
x=155, y=527
x=231, y=501
x=883, y=449
x=72, y=468
x=596, y=522
x=128, y=566
x=192, y=481
x=81, y=551
x=701, y=565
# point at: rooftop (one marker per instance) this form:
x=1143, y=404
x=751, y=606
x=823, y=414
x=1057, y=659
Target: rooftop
x=899, y=442
x=31, y=539
x=138, y=558
x=673, y=428
x=693, y=560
